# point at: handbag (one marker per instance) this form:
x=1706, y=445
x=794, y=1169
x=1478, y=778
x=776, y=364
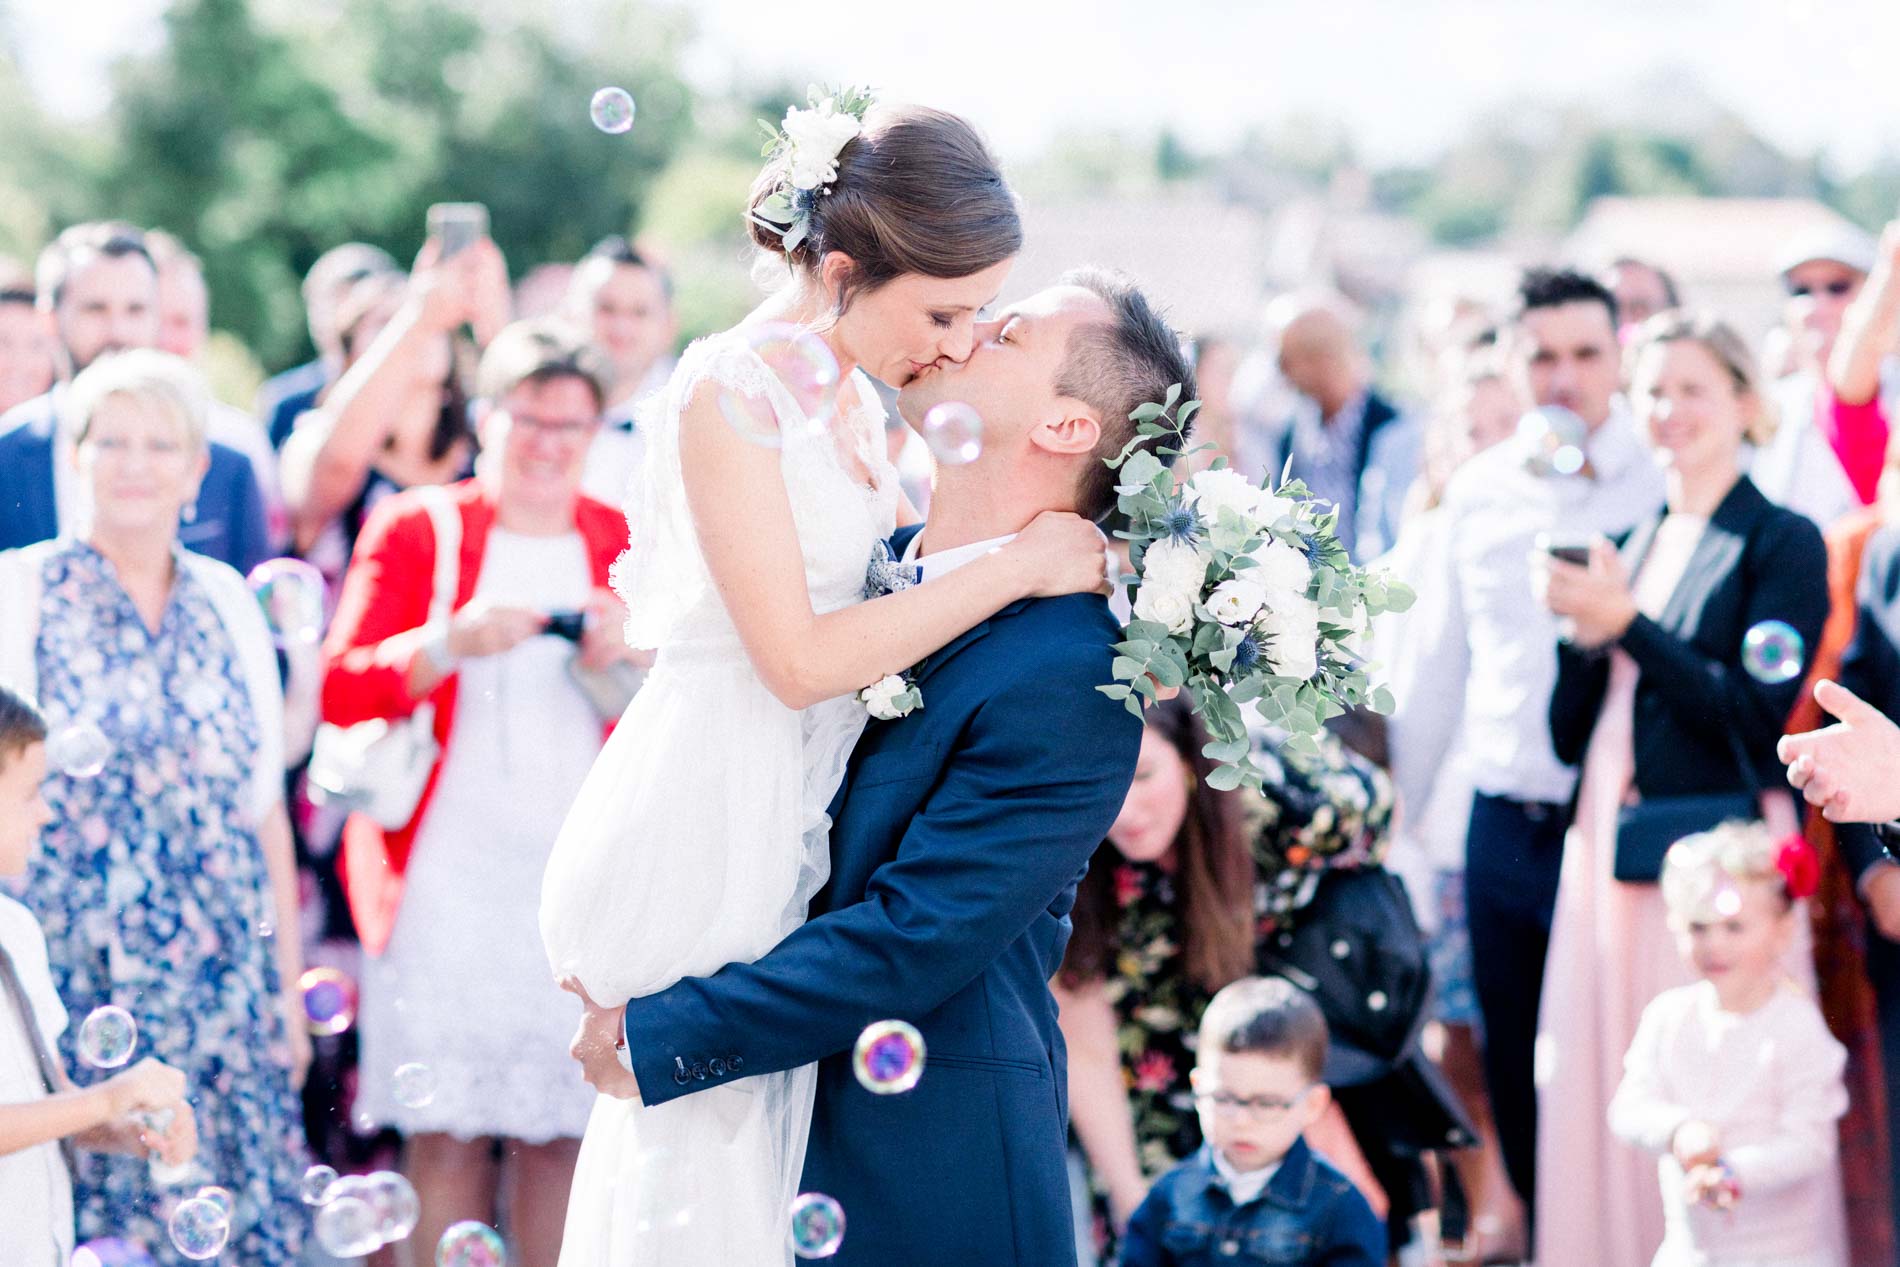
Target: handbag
x=1646, y=830
x=379, y=767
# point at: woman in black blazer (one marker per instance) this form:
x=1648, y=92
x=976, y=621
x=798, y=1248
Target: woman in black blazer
x=1653, y=699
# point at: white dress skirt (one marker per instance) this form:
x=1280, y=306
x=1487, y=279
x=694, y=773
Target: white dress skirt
x=463, y=988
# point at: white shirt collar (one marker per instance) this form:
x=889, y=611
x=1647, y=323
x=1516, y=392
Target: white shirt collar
x=1242, y=1185
x=943, y=562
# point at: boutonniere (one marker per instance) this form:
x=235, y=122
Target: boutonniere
x=891, y=697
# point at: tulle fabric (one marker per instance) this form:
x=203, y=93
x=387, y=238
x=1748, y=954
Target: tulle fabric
x=700, y=836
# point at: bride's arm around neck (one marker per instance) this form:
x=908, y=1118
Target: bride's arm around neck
x=743, y=517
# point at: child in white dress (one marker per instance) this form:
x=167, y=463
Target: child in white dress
x=1735, y=1081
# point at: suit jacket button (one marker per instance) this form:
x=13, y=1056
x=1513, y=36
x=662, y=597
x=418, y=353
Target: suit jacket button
x=717, y=1067
x=734, y=1063
x=699, y=1071
x=679, y=1072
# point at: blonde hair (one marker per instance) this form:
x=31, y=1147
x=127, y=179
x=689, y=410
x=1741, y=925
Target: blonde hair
x=145, y=376
x=1721, y=341
x=1698, y=869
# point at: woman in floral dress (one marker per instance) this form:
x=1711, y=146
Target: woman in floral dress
x=165, y=885
x=1176, y=904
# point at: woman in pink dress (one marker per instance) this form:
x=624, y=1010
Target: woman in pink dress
x=1657, y=698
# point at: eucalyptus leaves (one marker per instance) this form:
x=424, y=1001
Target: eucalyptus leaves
x=1242, y=594
x=806, y=147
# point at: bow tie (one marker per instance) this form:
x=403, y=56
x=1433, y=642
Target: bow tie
x=887, y=573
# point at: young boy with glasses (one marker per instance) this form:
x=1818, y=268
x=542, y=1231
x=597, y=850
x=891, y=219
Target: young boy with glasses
x=1256, y=1192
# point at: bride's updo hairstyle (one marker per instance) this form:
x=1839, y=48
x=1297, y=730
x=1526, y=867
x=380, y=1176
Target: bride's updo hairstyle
x=917, y=191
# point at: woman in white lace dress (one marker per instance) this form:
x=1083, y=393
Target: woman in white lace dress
x=701, y=833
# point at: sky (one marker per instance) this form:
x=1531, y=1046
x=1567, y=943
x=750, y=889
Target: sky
x=1405, y=76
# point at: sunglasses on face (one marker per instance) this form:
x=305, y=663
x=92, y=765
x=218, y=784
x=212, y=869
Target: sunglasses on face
x=1837, y=290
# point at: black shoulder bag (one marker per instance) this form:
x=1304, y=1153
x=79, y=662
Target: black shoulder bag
x=1645, y=830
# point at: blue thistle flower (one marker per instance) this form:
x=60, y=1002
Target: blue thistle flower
x=1180, y=525
x=1248, y=653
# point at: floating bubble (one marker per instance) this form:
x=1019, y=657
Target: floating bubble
x=470, y=1244
x=107, y=1037
x=79, y=751
x=752, y=417
x=414, y=1085
x=199, y=1228
x=316, y=1185
x=889, y=1057
x=1555, y=437
x=817, y=1225
x=291, y=593
x=1773, y=652
x=954, y=432
x=1567, y=460
x=802, y=362
x=1728, y=902
x=220, y=1197
x=346, y=1227
x=612, y=110
x=394, y=1201
x=329, y=1000
x=112, y=1251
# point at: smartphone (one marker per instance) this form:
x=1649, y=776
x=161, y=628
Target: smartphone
x=1571, y=549
x=457, y=225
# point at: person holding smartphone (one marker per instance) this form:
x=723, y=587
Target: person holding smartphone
x=455, y=980
x=1656, y=700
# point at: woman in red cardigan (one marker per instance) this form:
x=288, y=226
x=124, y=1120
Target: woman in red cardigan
x=463, y=1034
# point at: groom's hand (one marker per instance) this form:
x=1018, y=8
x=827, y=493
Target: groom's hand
x=596, y=1043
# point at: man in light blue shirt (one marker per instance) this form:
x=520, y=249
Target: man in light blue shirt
x=1493, y=646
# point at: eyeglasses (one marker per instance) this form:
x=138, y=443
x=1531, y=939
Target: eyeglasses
x=1229, y=1105
x=1837, y=289
x=553, y=428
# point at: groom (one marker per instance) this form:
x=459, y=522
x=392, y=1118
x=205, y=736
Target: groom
x=956, y=842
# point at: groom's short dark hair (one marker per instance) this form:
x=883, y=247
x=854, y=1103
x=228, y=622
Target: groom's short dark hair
x=1115, y=366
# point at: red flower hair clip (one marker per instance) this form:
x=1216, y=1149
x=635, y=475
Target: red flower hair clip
x=1799, y=865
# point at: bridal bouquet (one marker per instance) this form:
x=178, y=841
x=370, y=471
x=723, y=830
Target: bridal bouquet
x=1242, y=595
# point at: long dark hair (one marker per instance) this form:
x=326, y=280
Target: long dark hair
x=1214, y=875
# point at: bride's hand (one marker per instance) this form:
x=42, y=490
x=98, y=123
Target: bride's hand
x=597, y=1045
x=1061, y=553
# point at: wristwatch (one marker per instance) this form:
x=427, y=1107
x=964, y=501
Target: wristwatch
x=435, y=648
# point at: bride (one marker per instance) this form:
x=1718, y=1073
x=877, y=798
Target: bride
x=701, y=833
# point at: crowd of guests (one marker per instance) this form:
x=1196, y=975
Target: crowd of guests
x=1489, y=1037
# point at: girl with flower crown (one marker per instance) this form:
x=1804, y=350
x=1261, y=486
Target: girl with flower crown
x=1734, y=1082
x=702, y=831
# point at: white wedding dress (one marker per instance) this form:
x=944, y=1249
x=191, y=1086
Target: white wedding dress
x=701, y=834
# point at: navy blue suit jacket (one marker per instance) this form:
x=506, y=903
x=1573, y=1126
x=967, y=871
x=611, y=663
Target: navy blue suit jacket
x=229, y=525
x=956, y=843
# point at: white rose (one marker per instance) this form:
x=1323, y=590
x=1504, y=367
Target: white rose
x=1272, y=508
x=817, y=136
x=880, y=698
x=1291, y=628
x=1212, y=490
x=1175, y=565
x=1166, y=604
x=1280, y=568
x=1237, y=603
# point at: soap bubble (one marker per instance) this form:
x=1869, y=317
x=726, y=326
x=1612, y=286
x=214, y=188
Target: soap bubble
x=79, y=751
x=346, y=1227
x=316, y=1185
x=1728, y=901
x=889, y=1057
x=112, y=1251
x=291, y=593
x=199, y=1228
x=803, y=365
x=612, y=110
x=220, y=1197
x=329, y=1000
x=107, y=1037
x=817, y=1225
x=394, y=1201
x=1556, y=437
x=414, y=1085
x=1773, y=652
x=954, y=432
x=470, y=1244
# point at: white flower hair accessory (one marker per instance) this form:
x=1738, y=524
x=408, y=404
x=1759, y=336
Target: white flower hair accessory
x=805, y=149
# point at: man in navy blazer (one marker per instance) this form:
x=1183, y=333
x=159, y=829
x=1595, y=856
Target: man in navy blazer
x=957, y=840
x=99, y=282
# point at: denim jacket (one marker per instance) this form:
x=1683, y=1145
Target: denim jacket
x=1307, y=1213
